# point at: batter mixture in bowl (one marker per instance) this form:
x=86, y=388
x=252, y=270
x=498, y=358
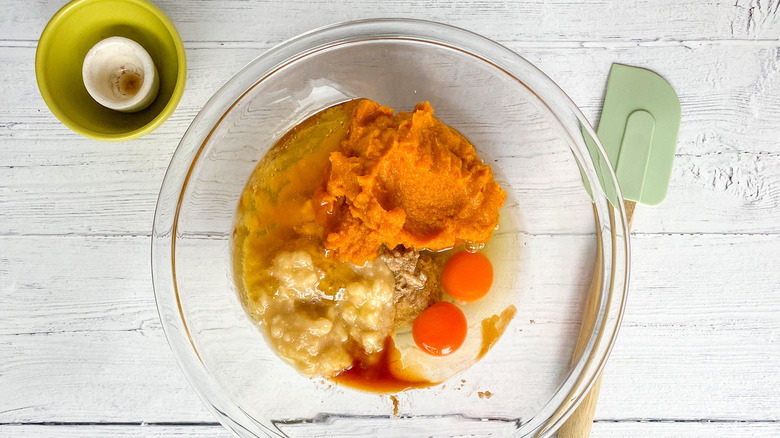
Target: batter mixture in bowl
x=359, y=248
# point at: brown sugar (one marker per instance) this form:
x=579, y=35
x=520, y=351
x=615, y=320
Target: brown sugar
x=417, y=284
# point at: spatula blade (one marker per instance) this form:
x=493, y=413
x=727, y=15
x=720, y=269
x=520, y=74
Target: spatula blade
x=638, y=128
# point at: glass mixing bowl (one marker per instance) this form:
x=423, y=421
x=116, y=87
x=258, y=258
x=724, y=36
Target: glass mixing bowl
x=571, y=230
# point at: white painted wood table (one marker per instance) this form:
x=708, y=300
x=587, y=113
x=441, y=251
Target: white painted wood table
x=82, y=352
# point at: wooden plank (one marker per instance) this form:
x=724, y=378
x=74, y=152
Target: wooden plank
x=76, y=285
x=601, y=429
x=80, y=341
x=725, y=178
x=670, y=429
x=722, y=179
x=700, y=334
x=80, y=337
x=111, y=431
x=732, y=106
x=563, y=20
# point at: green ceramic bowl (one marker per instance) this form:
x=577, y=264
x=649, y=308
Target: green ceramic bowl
x=70, y=34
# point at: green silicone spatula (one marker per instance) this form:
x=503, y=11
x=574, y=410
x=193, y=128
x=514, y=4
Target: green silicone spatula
x=638, y=128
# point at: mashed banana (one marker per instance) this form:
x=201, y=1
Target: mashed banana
x=317, y=332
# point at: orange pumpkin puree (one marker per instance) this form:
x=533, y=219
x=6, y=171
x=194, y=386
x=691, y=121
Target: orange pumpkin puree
x=404, y=179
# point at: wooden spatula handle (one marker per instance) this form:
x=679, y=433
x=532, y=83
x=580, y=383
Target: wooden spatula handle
x=580, y=422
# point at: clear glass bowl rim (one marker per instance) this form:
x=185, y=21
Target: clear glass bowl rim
x=613, y=293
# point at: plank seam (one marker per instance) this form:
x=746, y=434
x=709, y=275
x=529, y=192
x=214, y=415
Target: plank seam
x=212, y=424
x=689, y=43
x=678, y=420
x=120, y=423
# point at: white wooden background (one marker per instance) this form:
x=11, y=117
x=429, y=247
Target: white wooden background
x=82, y=352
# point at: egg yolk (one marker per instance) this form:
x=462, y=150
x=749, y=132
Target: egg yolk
x=440, y=329
x=467, y=276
